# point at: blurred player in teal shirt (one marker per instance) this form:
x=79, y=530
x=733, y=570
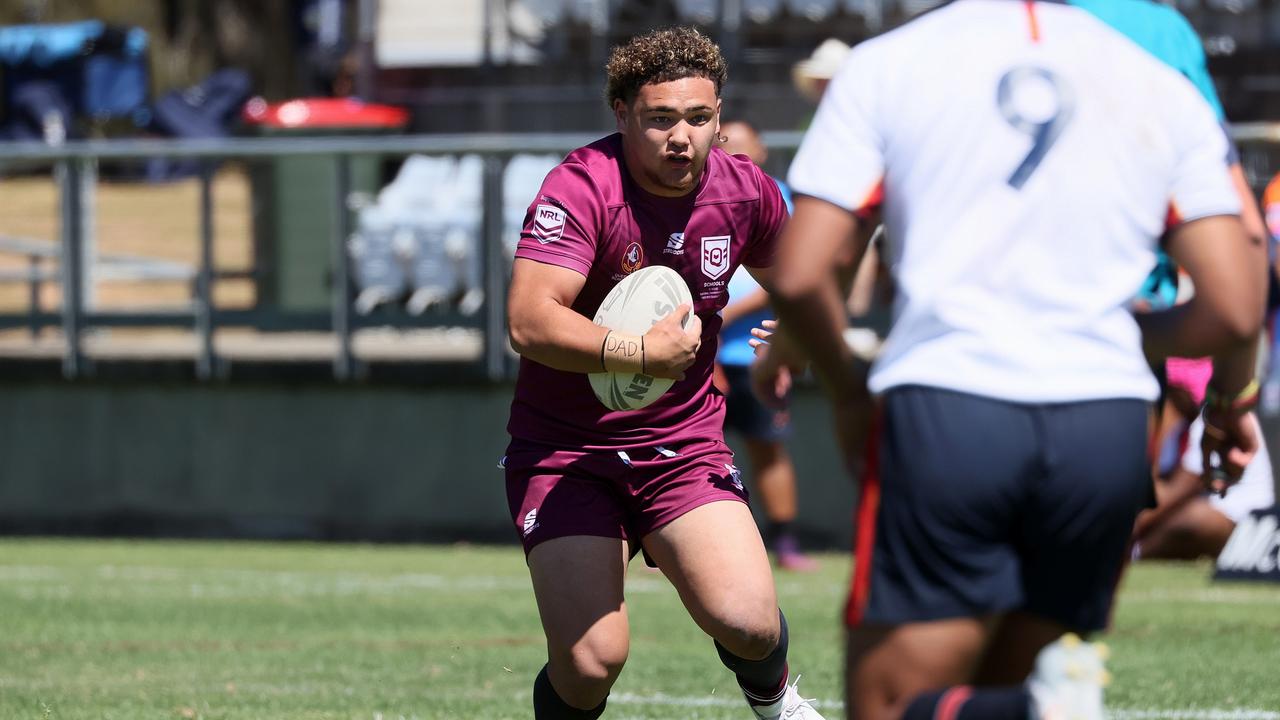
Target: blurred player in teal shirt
x=1162, y=31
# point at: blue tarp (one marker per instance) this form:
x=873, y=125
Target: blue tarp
x=45, y=45
x=100, y=68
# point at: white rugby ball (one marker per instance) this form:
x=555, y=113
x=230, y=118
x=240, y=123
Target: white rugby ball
x=633, y=306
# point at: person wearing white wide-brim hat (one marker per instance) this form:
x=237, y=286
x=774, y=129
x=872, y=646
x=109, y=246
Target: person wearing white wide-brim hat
x=811, y=75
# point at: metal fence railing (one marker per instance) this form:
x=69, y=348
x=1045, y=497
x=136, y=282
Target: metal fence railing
x=75, y=164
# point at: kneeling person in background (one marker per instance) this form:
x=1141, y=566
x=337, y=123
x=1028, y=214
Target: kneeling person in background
x=1187, y=522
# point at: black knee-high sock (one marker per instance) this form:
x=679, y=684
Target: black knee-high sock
x=776, y=531
x=963, y=702
x=762, y=681
x=548, y=705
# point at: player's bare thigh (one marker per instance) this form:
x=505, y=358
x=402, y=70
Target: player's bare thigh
x=1195, y=530
x=715, y=558
x=1015, y=642
x=886, y=666
x=578, y=585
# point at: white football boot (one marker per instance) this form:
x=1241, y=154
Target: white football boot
x=790, y=707
x=1068, y=680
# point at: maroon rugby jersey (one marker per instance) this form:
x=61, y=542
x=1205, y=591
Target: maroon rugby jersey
x=590, y=216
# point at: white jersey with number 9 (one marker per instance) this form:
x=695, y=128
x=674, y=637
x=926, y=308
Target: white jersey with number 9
x=1026, y=158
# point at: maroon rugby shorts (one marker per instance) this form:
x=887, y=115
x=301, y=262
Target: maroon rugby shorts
x=555, y=493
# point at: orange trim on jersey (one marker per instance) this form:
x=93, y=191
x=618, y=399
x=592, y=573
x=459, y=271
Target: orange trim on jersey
x=868, y=508
x=871, y=202
x=1172, y=218
x=1271, y=206
x=1033, y=20
x=951, y=701
x=1271, y=196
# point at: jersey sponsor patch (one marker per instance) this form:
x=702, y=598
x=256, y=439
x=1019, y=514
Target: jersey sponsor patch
x=548, y=223
x=715, y=256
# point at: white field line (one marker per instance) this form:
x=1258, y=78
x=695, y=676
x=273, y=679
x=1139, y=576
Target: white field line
x=1206, y=714
x=36, y=580
x=52, y=581
x=1258, y=595
x=638, y=582
x=43, y=580
x=1201, y=714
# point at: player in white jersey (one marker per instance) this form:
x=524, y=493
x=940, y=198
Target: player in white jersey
x=1025, y=159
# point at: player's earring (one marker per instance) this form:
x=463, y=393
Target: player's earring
x=722, y=138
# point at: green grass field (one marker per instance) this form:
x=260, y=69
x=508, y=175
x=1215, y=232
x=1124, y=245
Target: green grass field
x=135, y=630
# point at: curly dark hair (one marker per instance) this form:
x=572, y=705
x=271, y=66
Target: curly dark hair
x=661, y=56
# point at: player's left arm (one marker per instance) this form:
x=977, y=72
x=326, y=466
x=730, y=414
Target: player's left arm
x=845, y=268
x=1250, y=213
x=818, y=256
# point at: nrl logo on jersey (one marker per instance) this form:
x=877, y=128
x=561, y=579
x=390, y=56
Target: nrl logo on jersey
x=548, y=223
x=675, y=244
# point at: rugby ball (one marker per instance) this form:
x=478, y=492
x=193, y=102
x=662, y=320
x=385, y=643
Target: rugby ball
x=633, y=306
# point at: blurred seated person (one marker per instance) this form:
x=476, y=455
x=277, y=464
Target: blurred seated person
x=1188, y=522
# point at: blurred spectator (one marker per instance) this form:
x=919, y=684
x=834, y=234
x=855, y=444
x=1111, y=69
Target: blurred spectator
x=812, y=75
x=38, y=111
x=321, y=31
x=763, y=430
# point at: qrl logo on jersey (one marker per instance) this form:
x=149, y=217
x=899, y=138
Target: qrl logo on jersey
x=548, y=223
x=715, y=256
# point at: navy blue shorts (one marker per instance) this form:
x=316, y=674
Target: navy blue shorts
x=745, y=413
x=982, y=507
